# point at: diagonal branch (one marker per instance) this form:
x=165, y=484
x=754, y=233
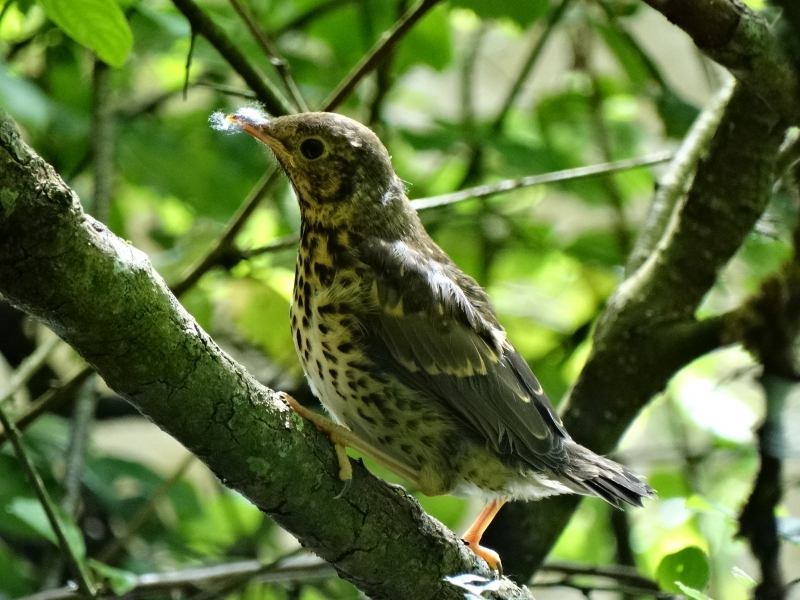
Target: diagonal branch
x=648, y=331
x=266, y=91
x=103, y=297
x=730, y=33
x=378, y=53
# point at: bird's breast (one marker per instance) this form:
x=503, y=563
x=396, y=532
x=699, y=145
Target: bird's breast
x=325, y=326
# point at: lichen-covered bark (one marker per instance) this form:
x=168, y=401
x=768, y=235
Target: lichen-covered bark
x=648, y=331
x=102, y=296
x=739, y=39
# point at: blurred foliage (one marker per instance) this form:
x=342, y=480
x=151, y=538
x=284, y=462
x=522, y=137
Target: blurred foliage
x=549, y=256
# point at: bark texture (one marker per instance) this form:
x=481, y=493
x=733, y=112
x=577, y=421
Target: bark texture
x=103, y=297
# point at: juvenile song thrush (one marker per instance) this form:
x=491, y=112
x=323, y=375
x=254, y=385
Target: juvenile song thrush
x=403, y=348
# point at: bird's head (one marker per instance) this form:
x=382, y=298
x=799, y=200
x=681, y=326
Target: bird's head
x=338, y=167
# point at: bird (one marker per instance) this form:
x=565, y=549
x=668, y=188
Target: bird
x=402, y=347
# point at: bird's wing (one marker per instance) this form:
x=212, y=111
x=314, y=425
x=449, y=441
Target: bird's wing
x=433, y=328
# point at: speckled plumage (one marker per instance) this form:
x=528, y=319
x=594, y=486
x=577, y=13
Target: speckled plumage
x=404, y=348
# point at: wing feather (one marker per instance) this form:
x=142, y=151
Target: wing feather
x=433, y=327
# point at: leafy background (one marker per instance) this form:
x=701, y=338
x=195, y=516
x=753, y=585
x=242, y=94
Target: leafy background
x=613, y=81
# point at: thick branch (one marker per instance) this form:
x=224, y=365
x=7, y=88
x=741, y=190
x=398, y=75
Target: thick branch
x=740, y=40
x=103, y=297
x=647, y=332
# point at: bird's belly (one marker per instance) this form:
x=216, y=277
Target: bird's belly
x=377, y=407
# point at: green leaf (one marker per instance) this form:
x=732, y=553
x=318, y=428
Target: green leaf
x=120, y=581
x=428, y=43
x=687, y=568
x=743, y=578
x=691, y=592
x=31, y=512
x=97, y=24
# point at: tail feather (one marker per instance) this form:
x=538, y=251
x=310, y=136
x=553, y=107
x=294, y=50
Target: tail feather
x=599, y=476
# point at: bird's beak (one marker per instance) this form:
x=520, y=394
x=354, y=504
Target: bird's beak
x=259, y=129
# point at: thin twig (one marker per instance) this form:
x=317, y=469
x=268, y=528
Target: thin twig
x=475, y=158
x=82, y=421
x=295, y=569
x=271, y=50
x=224, y=243
x=50, y=400
x=228, y=89
x=31, y=474
x=266, y=91
x=27, y=369
x=189, y=58
x=283, y=243
x=586, y=590
x=556, y=176
x=627, y=575
x=313, y=13
x=290, y=241
x=527, y=66
x=378, y=53
x=109, y=553
x=383, y=80
x=102, y=139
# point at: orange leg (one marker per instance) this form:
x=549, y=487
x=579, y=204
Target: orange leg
x=474, y=534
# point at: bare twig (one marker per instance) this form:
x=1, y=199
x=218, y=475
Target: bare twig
x=189, y=58
x=302, y=568
x=51, y=399
x=222, y=246
x=313, y=13
x=527, y=66
x=266, y=91
x=556, y=176
x=109, y=553
x=378, y=53
x=228, y=89
x=627, y=575
x=481, y=191
x=84, y=581
x=271, y=50
x=26, y=370
x=472, y=171
x=102, y=141
x=284, y=243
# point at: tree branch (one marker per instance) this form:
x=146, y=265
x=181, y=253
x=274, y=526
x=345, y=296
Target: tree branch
x=103, y=297
x=730, y=33
x=647, y=331
x=266, y=91
x=378, y=53
x=672, y=185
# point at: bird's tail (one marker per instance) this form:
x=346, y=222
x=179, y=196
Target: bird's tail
x=595, y=475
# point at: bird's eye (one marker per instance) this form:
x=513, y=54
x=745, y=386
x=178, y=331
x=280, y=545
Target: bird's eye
x=312, y=148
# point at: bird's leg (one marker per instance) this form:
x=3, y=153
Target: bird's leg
x=474, y=534
x=343, y=437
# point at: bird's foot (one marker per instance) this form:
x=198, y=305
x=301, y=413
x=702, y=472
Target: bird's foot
x=474, y=534
x=491, y=557
x=340, y=436
x=344, y=438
